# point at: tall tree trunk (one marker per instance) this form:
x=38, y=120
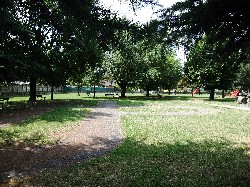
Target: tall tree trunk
x=147, y=90
x=169, y=93
x=223, y=93
x=123, y=91
x=78, y=90
x=52, y=92
x=123, y=86
x=32, y=89
x=211, y=96
x=94, y=90
x=192, y=91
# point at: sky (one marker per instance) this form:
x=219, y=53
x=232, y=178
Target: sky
x=142, y=15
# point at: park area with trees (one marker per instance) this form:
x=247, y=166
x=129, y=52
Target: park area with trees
x=127, y=137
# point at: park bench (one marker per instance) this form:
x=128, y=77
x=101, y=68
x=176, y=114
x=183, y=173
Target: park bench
x=40, y=96
x=109, y=94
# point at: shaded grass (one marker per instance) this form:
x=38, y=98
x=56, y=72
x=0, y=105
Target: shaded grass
x=37, y=131
x=206, y=163
x=19, y=104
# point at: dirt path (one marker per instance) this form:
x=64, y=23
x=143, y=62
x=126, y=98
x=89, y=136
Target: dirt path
x=99, y=133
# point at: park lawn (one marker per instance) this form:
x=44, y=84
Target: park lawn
x=195, y=150
x=41, y=130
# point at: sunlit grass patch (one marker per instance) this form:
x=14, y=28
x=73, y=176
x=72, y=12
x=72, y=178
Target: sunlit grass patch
x=125, y=102
x=37, y=130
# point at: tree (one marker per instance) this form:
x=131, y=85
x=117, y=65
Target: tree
x=48, y=40
x=160, y=68
x=23, y=40
x=243, y=77
x=222, y=21
x=14, y=41
x=171, y=72
x=123, y=62
x=208, y=69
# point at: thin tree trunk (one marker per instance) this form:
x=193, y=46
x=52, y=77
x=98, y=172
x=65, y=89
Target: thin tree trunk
x=211, y=97
x=32, y=89
x=147, y=94
x=94, y=91
x=223, y=93
x=169, y=92
x=52, y=92
x=78, y=90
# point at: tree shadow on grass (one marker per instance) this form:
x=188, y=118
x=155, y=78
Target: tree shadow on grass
x=226, y=100
x=28, y=133
x=17, y=106
x=163, y=98
x=23, y=161
x=207, y=163
x=139, y=100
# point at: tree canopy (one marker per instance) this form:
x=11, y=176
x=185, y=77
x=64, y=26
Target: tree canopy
x=243, y=77
x=44, y=39
x=222, y=21
x=53, y=42
x=215, y=34
x=207, y=68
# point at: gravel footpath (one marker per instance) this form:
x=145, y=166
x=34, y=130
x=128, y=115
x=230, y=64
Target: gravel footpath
x=98, y=134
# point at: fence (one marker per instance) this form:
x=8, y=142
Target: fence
x=24, y=89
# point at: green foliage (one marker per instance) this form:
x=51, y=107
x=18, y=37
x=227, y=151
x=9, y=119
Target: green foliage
x=123, y=62
x=223, y=21
x=161, y=69
x=205, y=67
x=243, y=76
x=52, y=41
x=171, y=73
x=136, y=61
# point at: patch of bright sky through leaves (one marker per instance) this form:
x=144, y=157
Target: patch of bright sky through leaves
x=142, y=15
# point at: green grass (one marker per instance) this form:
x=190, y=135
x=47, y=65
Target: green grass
x=166, y=150
x=37, y=131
